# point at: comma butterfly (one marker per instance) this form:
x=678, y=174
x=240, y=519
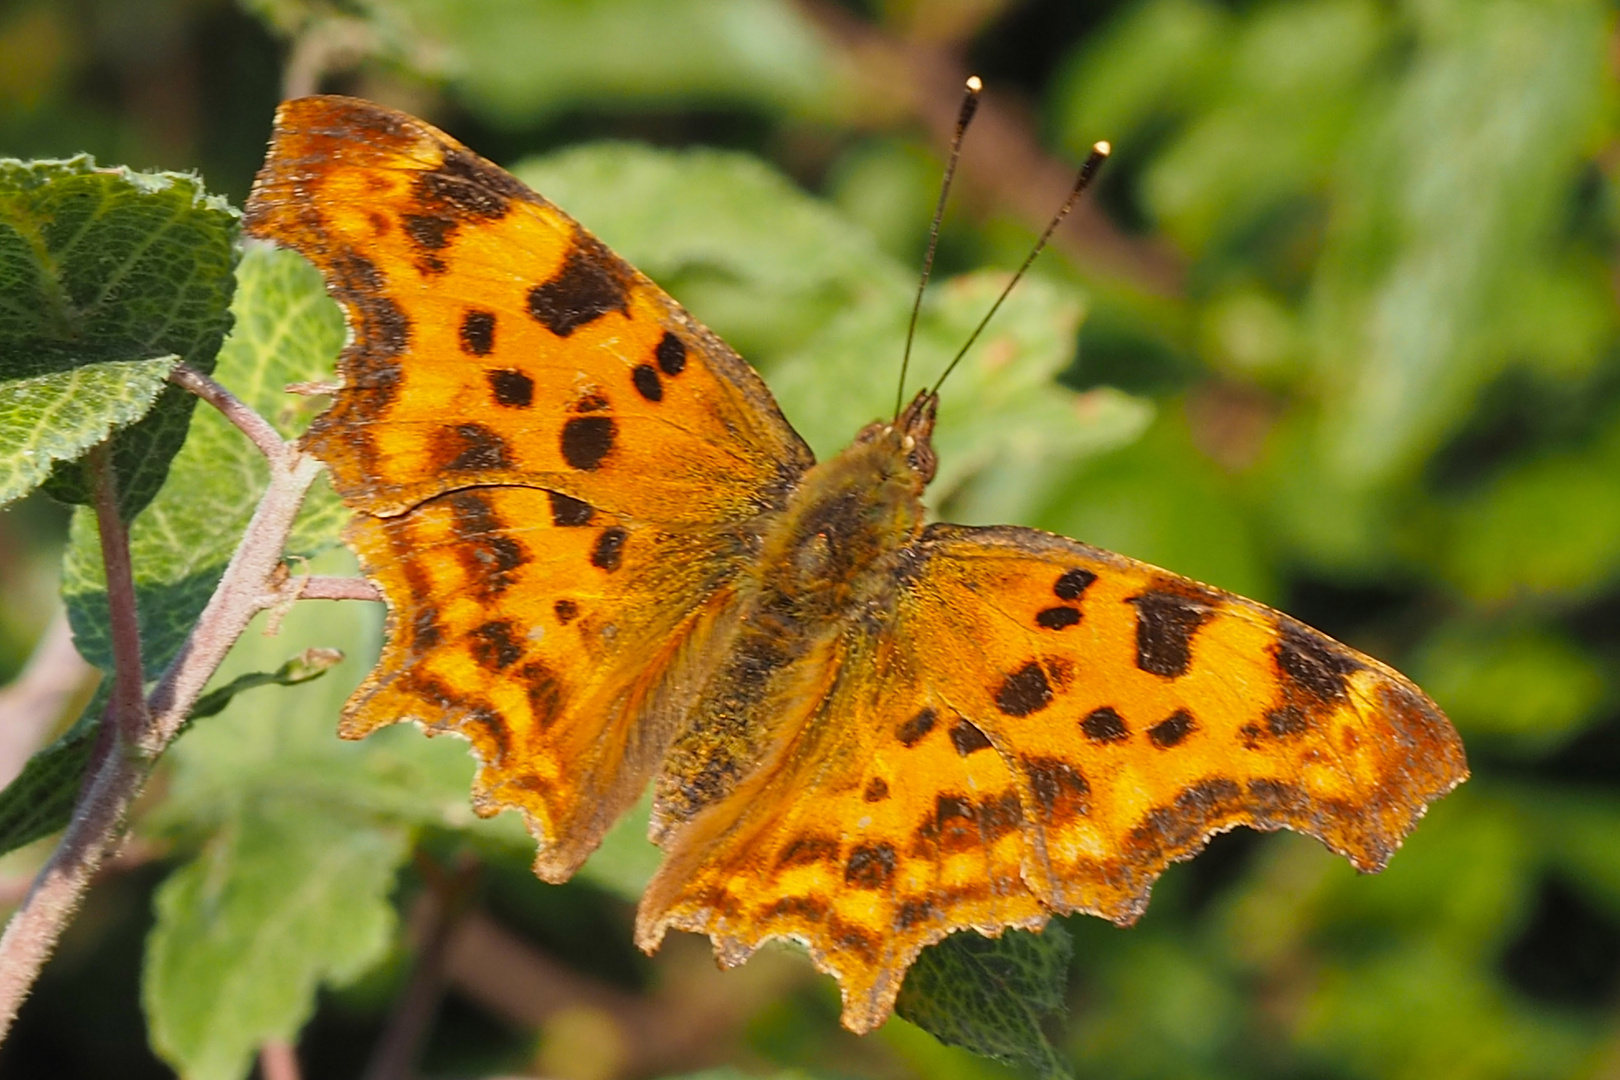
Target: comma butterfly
x=609, y=560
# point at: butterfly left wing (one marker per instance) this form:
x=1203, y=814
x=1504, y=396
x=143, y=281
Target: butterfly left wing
x=1041, y=726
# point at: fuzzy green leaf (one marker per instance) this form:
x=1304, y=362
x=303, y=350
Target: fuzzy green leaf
x=287, y=898
x=58, y=416
x=101, y=265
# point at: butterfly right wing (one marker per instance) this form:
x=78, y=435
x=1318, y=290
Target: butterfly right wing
x=554, y=467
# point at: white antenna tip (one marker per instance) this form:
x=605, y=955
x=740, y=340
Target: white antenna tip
x=1102, y=147
x=974, y=84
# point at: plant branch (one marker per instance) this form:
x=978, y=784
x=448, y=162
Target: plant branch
x=120, y=766
x=115, y=773
x=250, y=423
x=128, y=702
x=279, y=1061
x=442, y=905
x=321, y=587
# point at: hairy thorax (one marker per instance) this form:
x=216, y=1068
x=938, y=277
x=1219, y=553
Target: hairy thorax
x=831, y=555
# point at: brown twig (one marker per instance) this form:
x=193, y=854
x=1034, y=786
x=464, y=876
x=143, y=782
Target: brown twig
x=120, y=765
x=128, y=703
x=320, y=587
x=54, y=678
x=115, y=772
x=255, y=427
x=689, y=1021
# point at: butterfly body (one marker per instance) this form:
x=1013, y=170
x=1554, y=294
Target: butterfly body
x=834, y=554
x=609, y=561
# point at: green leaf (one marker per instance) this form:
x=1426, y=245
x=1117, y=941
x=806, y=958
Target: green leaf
x=1463, y=171
x=288, y=897
x=58, y=416
x=287, y=331
x=520, y=60
x=101, y=265
x=312, y=663
x=989, y=995
x=1547, y=525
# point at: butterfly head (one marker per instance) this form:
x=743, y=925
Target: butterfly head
x=910, y=435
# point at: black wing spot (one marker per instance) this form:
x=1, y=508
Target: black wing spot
x=566, y=611
x=1057, y=618
x=1025, y=691
x=1172, y=729
x=608, y=552
x=588, y=286
x=495, y=646
x=1318, y=666
x=1059, y=788
x=469, y=447
x=1165, y=624
x=1288, y=720
x=1104, y=725
x=968, y=739
x=429, y=234
x=877, y=789
x=466, y=187
x=567, y=511
x=512, y=389
x=544, y=692
x=587, y=440
x=648, y=385
x=870, y=866
x=671, y=354
x=912, y=731
x=478, y=333
x=1073, y=583
x=425, y=629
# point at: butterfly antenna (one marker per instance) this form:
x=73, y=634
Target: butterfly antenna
x=964, y=116
x=1099, y=154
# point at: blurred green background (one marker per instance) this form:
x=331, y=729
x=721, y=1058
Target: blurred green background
x=1353, y=268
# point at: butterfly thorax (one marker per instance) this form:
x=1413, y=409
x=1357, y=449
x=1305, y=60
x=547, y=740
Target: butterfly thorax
x=832, y=550
x=830, y=557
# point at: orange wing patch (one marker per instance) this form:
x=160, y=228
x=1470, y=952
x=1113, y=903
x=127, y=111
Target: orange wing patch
x=1145, y=713
x=886, y=823
x=550, y=461
x=498, y=342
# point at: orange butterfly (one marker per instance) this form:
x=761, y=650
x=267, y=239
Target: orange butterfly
x=608, y=559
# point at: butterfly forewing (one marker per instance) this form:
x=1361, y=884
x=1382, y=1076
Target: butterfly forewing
x=552, y=463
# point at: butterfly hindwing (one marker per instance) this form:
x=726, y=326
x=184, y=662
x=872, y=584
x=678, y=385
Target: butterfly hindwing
x=1040, y=726
x=551, y=462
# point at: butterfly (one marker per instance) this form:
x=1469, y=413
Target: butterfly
x=610, y=561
